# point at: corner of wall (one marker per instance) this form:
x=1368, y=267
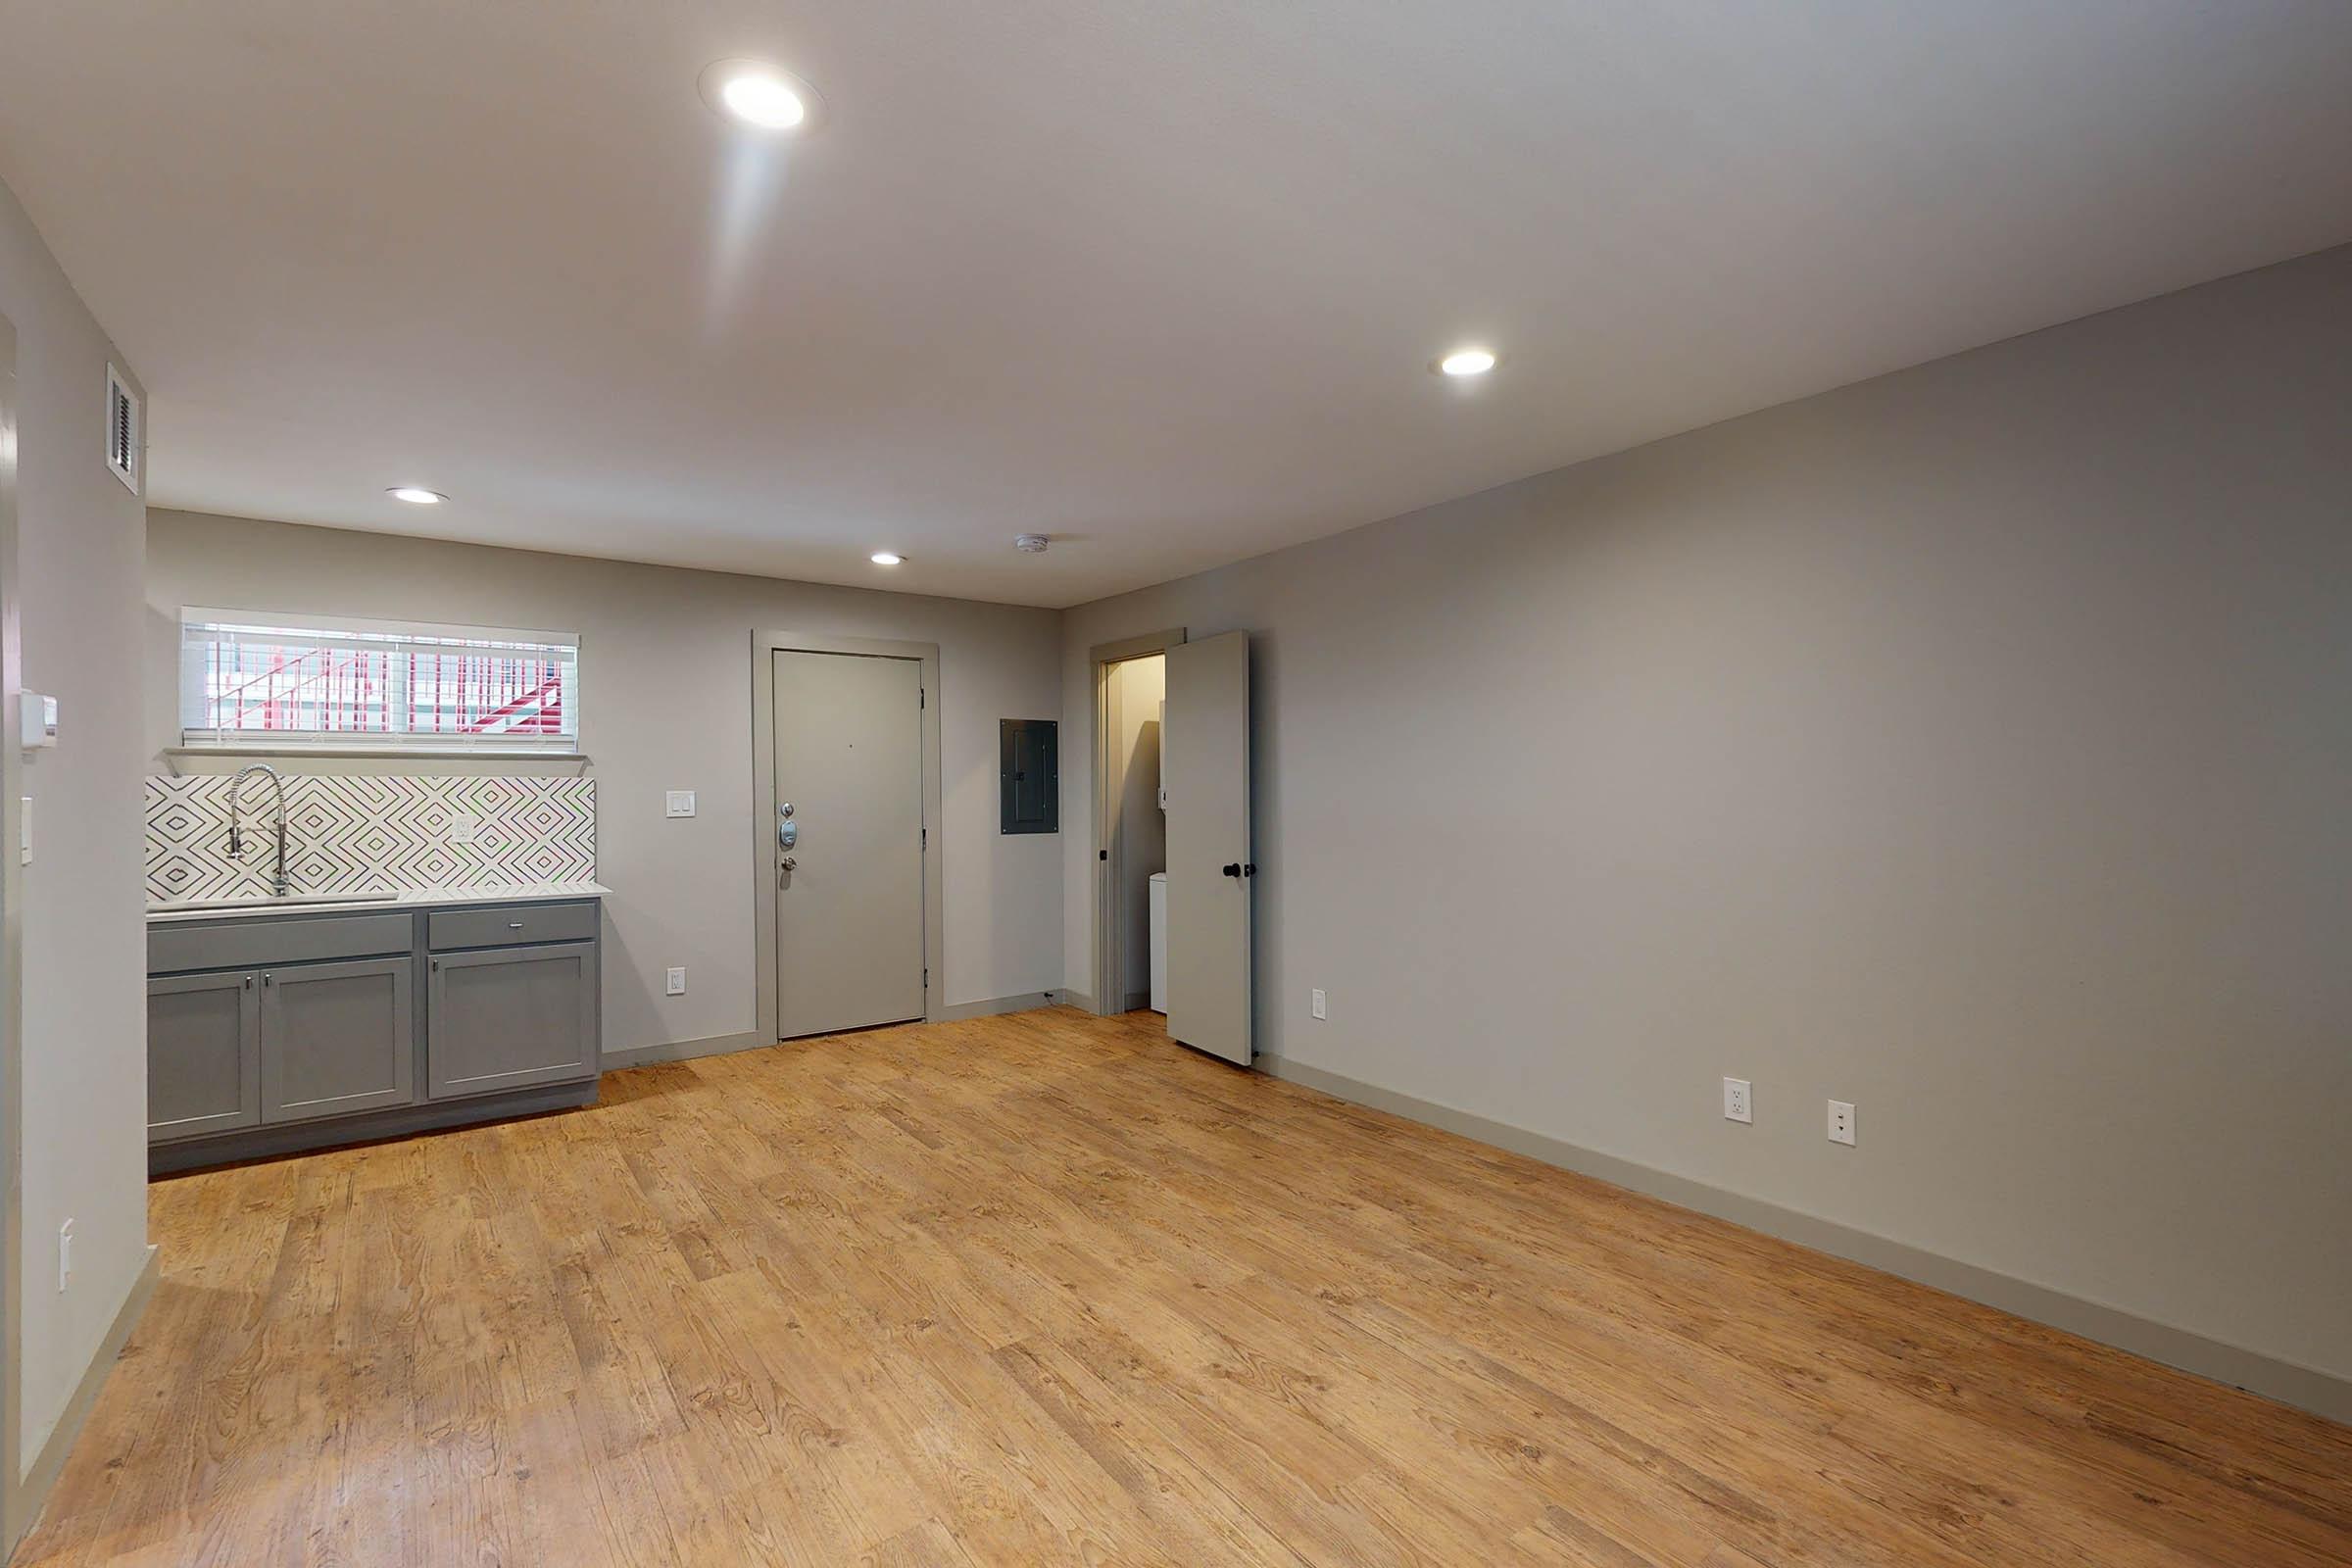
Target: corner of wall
x=75, y=1023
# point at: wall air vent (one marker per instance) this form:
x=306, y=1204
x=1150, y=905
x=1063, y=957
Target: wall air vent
x=123, y=450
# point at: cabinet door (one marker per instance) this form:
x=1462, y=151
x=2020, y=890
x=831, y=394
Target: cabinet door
x=337, y=1038
x=510, y=1017
x=204, y=1054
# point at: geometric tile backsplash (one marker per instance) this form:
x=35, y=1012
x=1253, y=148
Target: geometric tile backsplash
x=369, y=835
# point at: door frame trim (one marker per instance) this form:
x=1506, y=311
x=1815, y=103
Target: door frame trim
x=765, y=645
x=1111, y=781
x=14, y=1494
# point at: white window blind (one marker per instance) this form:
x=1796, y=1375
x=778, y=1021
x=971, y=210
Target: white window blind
x=249, y=679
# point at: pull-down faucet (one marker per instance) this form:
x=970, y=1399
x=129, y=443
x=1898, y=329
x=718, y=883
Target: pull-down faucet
x=278, y=885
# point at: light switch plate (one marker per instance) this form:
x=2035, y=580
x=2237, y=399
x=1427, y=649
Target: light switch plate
x=1321, y=1004
x=463, y=827
x=23, y=830
x=676, y=981
x=681, y=803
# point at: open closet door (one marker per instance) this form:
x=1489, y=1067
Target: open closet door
x=1205, y=765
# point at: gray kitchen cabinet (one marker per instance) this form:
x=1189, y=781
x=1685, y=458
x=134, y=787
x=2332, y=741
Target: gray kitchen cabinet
x=274, y=1032
x=204, y=1054
x=337, y=1038
x=509, y=1017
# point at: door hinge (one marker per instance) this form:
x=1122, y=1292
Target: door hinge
x=926, y=838
x=926, y=979
x=922, y=697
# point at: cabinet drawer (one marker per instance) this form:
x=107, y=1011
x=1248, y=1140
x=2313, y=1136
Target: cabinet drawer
x=250, y=943
x=509, y=925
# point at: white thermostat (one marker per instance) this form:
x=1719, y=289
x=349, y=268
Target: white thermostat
x=39, y=717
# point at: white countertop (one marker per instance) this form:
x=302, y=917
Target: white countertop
x=407, y=899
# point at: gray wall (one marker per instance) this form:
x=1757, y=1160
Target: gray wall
x=84, y=1021
x=665, y=677
x=1973, y=744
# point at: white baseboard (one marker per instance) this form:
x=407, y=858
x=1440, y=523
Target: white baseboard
x=50, y=1463
x=755, y=1039
x=1020, y=1002
x=2321, y=1392
x=686, y=1049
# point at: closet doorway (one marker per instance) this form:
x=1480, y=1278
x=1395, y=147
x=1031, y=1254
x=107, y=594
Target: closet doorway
x=1130, y=826
x=1175, y=873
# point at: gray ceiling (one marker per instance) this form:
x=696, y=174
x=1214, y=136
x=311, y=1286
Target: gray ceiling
x=1162, y=280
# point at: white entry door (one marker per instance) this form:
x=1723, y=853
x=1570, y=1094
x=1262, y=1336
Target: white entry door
x=1205, y=765
x=848, y=821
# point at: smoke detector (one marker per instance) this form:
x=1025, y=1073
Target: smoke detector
x=1031, y=544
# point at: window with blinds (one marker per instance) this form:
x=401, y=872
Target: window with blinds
x=249, y=679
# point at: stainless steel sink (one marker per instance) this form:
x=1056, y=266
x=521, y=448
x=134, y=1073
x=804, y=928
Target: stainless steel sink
x=291, y=901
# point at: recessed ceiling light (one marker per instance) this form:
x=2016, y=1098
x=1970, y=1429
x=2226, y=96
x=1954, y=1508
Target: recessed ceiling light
x=417, y=495
x=886, y=558
x=763, y=101
x=761, y=94
x=1467, y=362
x=1031, y=544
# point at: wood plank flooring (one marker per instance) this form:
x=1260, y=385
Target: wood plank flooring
x=1046, y=1289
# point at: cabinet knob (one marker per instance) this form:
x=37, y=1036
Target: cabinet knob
x=514, y=925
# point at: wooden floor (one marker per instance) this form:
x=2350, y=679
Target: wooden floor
x=1046, y=1289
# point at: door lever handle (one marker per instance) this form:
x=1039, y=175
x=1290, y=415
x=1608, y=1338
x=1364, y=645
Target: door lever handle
x=1234, y=868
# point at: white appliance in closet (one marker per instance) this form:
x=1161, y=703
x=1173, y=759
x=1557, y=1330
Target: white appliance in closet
x=1159, y=941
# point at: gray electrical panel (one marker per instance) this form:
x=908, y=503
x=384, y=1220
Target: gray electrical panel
x=1029, y=776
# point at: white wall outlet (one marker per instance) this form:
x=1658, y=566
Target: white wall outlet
x=64, y=1256
x=1320, y=1002
x=680, y=802
x=676, y=983
x=463, y=827
x=23, y=830
x=1739, y=1102
x=1841, y=1121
